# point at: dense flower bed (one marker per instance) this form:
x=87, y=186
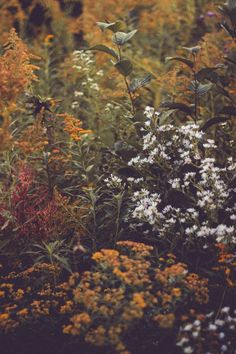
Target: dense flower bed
x=117, y=177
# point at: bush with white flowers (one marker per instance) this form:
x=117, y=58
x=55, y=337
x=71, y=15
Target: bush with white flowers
x=213, y=333
x=183, y=191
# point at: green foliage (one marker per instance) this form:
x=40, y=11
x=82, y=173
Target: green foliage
x=107, y=172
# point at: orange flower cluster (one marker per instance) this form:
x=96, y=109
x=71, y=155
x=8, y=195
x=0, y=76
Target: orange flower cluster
x=35, y=133
x=73, y=127
x=16, y=71
x=123, y=288
x=103, y=304
x=226, y=264
x=30, y=302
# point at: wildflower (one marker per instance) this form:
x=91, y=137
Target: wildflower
x=165, y=321
x=4, y=316
x=23, y=312
x=176, y=292
x=113, y=181
x=48, y=40
x=139, y=300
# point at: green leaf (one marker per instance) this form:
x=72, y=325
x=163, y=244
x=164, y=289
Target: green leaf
x=213, y=121
x=187, y=62
x=105, y=49
x=200, y=89
x=124, y=67
x=193, y=50
x=113, y=26
x=121, y=38
x=208, y=73
x=179, y=106
x=138, y=83
x=227, y=29
x=204, y=88
x=104, y=25
x=165, y=116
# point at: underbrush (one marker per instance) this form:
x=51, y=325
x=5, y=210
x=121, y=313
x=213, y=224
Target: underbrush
x=118, y=178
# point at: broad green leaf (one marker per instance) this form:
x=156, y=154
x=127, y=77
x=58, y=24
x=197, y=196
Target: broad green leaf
x=124, y=67
x=200, y=89
x=138, y=83
x=121, y=38
x=203, y=89
x=208, y=73
x=105, y=49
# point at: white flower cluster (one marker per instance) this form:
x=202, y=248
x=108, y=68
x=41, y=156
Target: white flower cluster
x=207, y=186
x=213, y=190
x=84, y=62
x=219, y=333
x=170, y=145
x=113, y=181
x=146, y=206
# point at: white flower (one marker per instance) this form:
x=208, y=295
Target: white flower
x=224, y=348
x=78, y=93
x=212, y=327
x=182, y=341
x=225, y=309
x=175, y=183
x=195, y=334
x=221, y=335
x=113, y=181
x=188, y=327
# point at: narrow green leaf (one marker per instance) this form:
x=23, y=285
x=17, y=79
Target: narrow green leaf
x=105, y=49
x=187, y=62
x=179, y=106
x=214, y=121
x=113, y=26
x=104, y=25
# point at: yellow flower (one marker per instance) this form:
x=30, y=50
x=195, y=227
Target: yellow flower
x=48, y=40
x=19, y=294
x=4, y=316
x=97, y=256
x=139, y=300
x=176, y=292
x=165, y=321
x=22, y=312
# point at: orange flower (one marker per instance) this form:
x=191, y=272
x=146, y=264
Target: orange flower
x=48, y=40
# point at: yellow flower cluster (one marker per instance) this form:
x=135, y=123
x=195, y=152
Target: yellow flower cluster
x=28, y=302
x=106, y=302
x=73, y=127
x=140, y=249
x=16, y=71
x=122, y=289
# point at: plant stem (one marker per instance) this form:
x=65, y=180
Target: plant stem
x=130, y=96
x=195, y=96
x=127, y=84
